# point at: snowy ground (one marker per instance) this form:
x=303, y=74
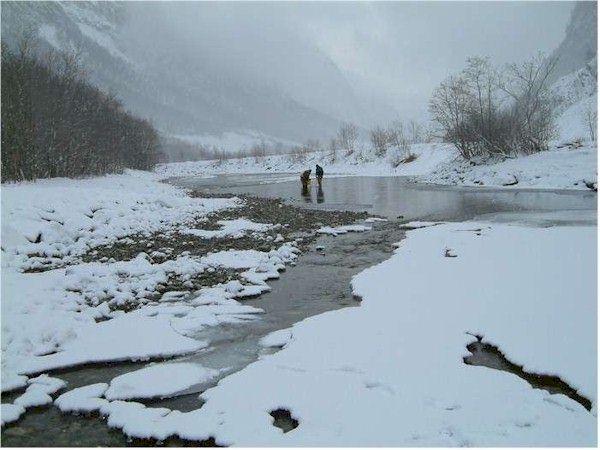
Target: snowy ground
x=395, y=364
x=561, y=168
x=58, y=311
x=429, y=156
x=65, y=305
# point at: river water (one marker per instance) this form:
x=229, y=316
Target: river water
x=319, y=282
x=397, y=196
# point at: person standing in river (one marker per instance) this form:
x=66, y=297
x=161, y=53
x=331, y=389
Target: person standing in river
x=319, y=173
x=305, y=179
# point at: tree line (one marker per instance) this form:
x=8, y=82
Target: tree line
x=486, y=111
x=56, y=123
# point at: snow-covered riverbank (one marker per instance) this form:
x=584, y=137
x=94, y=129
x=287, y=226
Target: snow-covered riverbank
x=558, y=168
x=391, y=372
x=60, y=309
x=127, y=268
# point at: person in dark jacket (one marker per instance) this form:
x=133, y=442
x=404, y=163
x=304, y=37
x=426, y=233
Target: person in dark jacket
x=319, y=173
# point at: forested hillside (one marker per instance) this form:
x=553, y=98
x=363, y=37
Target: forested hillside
x=185, y=87
x=55, y=123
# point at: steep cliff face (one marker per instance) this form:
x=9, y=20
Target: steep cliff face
x=580, y=43
x=172, y=86
x=576, y=75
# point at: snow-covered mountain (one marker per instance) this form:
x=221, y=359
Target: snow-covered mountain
x=576, y=74
x=579, y=46
x=185, y=87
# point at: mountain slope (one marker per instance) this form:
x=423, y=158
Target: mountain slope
x=580, y=43
x=576, y=75
x=173, y=86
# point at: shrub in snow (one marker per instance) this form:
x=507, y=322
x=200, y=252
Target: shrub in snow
x=347, y=137
x=486, y=111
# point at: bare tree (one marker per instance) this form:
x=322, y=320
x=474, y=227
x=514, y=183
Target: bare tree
x=484, y=112
x=333, y=149
x=259, y=150
x=528, y=84
x=55, y=123
x=415, y=132
x=399, y=150
x=591, y=121
x=348, y=137
x=380, y=140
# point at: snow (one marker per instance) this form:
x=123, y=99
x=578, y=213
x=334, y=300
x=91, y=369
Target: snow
x=75, y=315
x=83, y=399
x=103, y=40
x=553, y=169
x=572, y=123
x=69, y=223
x=429, y=157
x=245, y=259
x=343, y=229
x=560, y=167
x=48, y=33
x=557, y=168
x=129, y=336
x=394, y=364
x=158, y=380
x=235, y=228
x=47, y=384
x=417, y=224
x=33, y=397
x=12, y=381
x=277, y=338
x=10, y=413
x=374, y=219
x=37, y=394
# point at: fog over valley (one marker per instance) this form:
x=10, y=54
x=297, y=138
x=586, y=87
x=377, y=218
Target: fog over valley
x=293, y=71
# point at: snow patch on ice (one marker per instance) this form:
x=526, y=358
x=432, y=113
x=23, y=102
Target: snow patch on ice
x=343, y=229
x=277, y=338
x=83, y=399
x=158, y=380
x=10, y=412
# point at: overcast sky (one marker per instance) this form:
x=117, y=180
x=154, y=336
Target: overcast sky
x=397, y=52
x=405, y=49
